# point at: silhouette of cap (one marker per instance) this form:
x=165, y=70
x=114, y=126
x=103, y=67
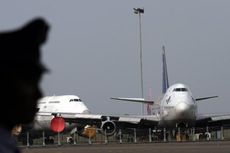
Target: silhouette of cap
x=20, y=49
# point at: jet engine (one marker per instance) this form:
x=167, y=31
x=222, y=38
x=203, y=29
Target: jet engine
x=57, y=124
x=108, y=127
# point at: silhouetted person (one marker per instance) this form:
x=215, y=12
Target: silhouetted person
x=21, y=72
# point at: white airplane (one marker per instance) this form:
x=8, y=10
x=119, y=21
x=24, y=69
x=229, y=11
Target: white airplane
x=48, y=108
x=176, y=107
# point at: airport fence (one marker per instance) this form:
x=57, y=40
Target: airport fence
x=126, y=136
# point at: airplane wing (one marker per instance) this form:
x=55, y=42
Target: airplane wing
x=138, y=100
x=96, y=119
x=110, y=124
x=212, y=120
x=204, y=98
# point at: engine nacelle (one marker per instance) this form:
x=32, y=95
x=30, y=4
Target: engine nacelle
x=108, y=128
x=57, y=124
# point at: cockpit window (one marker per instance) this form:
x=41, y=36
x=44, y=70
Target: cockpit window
x=74, y=100
x=180, y=89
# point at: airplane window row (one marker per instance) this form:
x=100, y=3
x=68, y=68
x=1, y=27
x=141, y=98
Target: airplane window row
x=54, y=101
x=180, y=89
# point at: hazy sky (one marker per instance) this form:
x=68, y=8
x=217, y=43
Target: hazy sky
x=93, y=48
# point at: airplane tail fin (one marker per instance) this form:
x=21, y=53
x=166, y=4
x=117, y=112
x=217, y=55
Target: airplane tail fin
x=165, y=82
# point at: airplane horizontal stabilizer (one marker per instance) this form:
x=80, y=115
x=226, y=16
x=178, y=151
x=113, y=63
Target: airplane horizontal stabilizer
x=204, y=98
x=138, y=100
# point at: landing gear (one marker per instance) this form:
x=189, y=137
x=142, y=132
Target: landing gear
x=69, y=140
x=49, y=140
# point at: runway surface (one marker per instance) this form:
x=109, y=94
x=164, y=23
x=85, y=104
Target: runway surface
x=175, y=147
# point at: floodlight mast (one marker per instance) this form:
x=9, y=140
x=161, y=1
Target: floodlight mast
x=140, y=11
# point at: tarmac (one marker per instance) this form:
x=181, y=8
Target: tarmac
x=168, y=147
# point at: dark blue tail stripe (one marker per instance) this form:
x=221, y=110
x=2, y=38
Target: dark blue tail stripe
x=165, y=82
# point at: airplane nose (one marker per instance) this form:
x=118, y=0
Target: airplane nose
x=182, y=108
x=185, y=111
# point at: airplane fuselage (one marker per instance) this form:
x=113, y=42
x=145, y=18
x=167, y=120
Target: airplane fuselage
x=57, y=105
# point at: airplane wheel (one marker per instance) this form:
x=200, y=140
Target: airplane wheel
x=49, y=141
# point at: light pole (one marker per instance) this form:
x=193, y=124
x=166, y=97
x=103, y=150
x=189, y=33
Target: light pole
x=140, y=11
